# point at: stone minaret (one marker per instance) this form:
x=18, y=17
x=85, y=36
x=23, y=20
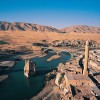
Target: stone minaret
x=85, y=71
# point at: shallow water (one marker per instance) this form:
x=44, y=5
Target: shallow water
x=18, y=87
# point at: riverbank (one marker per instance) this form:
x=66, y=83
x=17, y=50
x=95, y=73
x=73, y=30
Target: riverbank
x=53, y=57
x=48, y=87
x=3, y=77
x=4, y=67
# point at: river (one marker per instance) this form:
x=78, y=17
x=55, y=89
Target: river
x=18, y=87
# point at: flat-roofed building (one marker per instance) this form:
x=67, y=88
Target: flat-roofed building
x=77, y=79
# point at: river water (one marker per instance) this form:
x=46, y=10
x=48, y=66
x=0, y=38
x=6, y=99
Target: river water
x=18, y=87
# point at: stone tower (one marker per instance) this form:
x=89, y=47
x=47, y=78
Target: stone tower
x=85, y=71
x=29, y=68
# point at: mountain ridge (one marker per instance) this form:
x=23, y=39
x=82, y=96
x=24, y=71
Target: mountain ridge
x=82, y=29
x=22, y=26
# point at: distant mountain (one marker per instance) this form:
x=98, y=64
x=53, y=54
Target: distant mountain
x=81, y=29
x=35, y=27
x=26, y=26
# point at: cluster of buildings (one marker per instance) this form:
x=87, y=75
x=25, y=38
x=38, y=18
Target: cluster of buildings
x=79, y=83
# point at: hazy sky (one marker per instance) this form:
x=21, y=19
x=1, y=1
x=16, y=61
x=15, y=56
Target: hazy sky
x=57, y=13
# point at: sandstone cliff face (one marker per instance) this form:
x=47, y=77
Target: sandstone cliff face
x=81, y=29
x=26, y=26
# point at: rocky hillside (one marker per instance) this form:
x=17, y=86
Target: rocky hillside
x=35, y=27
x=26, y=26
x=81, y=29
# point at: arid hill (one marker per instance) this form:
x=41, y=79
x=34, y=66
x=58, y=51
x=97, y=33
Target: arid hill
x=81, y=29
x=21, y=26
x=4, y=26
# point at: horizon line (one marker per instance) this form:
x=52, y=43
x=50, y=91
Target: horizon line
x=49, y=25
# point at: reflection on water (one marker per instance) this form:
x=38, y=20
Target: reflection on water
x=18, y=87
